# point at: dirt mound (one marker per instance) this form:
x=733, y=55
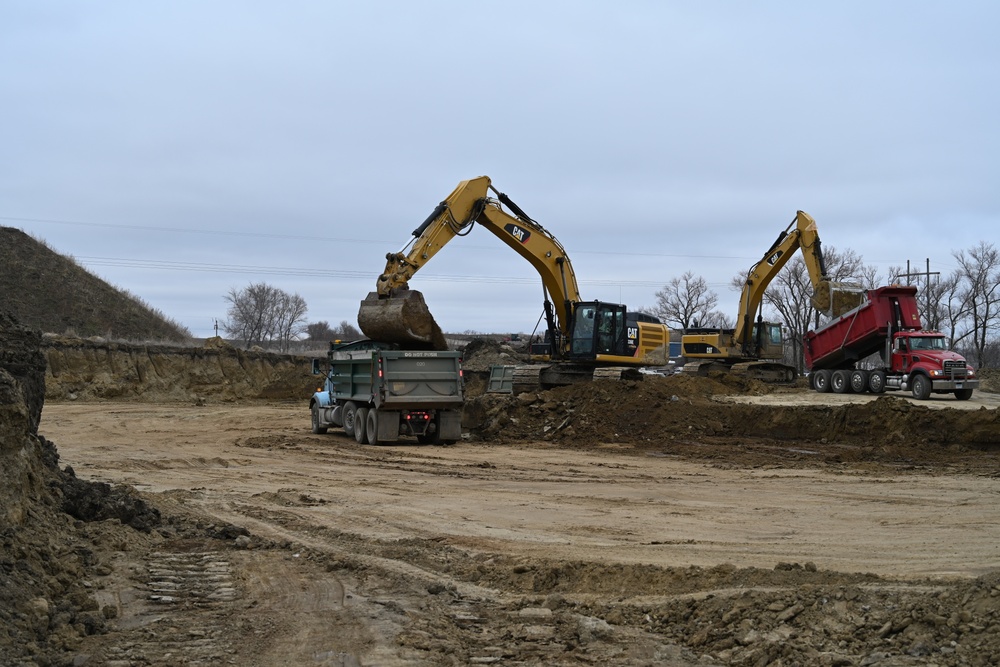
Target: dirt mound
x=482, y=353
x=678, y=414
x=52, y=292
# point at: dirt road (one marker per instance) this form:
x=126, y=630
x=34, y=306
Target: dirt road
x=529, y=553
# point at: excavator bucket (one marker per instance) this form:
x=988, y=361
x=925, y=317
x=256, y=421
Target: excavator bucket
x=835, y=299
x=402, y=318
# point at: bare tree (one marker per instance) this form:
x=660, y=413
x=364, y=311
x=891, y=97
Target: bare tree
x=323, y=331
x=320, y=331
x=685, y=301
x=348, y=331
x=979, y=271
x=261, y=314
x=289, y=318
x=952, y=309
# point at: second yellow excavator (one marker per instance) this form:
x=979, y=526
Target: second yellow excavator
x=583, y=339
x=755, y=347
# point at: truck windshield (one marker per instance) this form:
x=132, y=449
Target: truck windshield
x=928, y=343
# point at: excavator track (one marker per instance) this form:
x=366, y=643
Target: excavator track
x=764, y=371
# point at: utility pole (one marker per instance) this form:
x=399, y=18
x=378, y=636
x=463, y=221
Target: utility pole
x=927, y=283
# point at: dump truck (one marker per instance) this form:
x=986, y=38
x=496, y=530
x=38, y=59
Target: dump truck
x=378, y=393
x=888, y=323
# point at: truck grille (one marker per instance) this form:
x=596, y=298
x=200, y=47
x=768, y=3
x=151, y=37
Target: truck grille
x=955, y=368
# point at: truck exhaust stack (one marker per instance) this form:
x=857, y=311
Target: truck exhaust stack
x=401, y=318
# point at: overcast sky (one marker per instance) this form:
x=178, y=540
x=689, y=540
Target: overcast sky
x=179, y=149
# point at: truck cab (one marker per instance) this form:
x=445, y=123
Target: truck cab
x=922, y=362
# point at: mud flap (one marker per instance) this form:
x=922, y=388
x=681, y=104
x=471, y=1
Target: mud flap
x=450, y=425
x=387, y=422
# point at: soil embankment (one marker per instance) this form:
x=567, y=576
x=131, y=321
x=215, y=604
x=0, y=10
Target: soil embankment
x=95, y=369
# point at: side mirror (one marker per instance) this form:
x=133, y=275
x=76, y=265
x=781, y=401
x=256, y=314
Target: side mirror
x=315, y=367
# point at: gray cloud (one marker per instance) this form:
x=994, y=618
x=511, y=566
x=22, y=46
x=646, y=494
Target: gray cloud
x=651, y=138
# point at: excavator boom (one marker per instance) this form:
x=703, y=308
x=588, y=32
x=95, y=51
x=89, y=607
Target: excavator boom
x=393, y=313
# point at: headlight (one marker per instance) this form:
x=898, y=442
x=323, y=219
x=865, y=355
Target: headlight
x=936, y=374
x=970, y=372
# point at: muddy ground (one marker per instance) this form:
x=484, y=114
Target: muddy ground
x=672, y=521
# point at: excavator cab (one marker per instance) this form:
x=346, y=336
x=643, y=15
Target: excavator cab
x=769, y=340
x=598, y=329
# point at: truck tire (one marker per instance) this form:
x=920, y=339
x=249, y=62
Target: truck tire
x=821, y=381
x=859, y=381
x=840, y=382
x=921, y=387
x=876, y=382
x=361, y=426
x=316, y=428
x=350, y=412
x=371, y=426
x=963, y=394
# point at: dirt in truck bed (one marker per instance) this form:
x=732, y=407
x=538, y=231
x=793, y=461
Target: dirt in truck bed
x=671, y=521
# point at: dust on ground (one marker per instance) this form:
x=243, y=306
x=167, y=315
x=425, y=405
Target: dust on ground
x=635, y=523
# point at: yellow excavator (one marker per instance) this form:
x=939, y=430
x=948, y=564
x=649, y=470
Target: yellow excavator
x=755, y=348
x=582, y=340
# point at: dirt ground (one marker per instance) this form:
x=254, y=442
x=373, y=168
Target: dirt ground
x=674, y=521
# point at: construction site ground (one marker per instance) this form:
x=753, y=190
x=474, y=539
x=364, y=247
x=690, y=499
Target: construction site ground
x=673, y=521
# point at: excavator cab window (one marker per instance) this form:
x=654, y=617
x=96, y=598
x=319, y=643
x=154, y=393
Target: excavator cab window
x=583, y=331
x=598, y=328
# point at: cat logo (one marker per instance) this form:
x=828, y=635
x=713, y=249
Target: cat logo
x=775, y=257
x=519, y=233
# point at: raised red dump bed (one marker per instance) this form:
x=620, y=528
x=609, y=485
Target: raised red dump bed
x=863, y=331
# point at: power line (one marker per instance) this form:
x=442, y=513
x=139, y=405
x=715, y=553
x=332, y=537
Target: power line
x=328, y=239
x=164, y=265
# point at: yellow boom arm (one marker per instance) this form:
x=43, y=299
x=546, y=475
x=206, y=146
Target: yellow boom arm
x=804, y=236
x=470, y=203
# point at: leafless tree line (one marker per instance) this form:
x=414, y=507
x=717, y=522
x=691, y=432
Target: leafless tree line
x=264, y=315
x=964, y=304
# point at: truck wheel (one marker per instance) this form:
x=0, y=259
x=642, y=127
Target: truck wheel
x=840, y=382
x=963, y=394
x=876, y=382
x=371, y=427
x=921, y=387
x=821, y=381
x=350, y=412
x=361, y=426
x=316, y=428
x=859, y=381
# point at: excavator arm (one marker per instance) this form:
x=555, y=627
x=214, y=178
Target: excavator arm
x=392, y=312
x=752, y=340
x=801, y=234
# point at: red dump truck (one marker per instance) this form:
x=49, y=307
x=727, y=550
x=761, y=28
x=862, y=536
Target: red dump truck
x=912, y=359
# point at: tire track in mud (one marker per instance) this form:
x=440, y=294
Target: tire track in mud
x=173, y=587
x=428, y=609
